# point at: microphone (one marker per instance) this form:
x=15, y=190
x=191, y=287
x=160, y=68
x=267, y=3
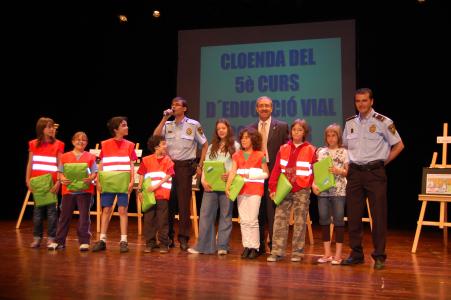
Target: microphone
x=168, y=112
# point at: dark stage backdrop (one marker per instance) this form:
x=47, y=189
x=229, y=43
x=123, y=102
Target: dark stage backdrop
x=82, y=66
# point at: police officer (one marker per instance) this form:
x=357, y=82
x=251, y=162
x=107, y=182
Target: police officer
x=182, y=135
x=372, y=142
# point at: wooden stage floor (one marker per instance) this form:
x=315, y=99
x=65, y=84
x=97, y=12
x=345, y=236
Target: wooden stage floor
x=69, y=274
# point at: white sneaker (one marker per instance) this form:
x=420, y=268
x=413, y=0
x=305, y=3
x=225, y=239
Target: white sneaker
x=52, y=246
x=84, y=247
x=325, y=259
x=222, y=252
x=193, y=251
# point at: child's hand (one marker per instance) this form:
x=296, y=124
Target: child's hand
x=207, y=187
x=227, y=192
x=315, y=189
x=272, y=195
x=225, y=176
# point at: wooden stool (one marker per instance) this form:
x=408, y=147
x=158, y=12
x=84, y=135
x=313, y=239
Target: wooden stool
x=308, y=223
x=443, y=219
x=369, y=219
x=194, y=217
x=26, y=202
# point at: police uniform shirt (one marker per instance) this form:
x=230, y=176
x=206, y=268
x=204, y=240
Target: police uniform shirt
x=182, y=139
x=369, y=139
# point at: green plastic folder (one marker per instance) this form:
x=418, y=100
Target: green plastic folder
x=41, y=186
x=323, y=178
x=235, y=187
x=283, y=188
x=114, y=181
x=76, y=172
x=148, y=197
x=213, y=171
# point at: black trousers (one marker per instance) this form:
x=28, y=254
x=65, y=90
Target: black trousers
x=181, y=198
x=367, y=181
x=156, y=220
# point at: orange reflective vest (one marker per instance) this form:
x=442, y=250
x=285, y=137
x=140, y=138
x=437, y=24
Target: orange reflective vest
x=86, y=157
x=304, y=161
x=157, y=170
x=45, y=158
x=116, y=156
x=252, y=165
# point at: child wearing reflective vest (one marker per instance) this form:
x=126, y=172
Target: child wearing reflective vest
x=117, y=155
x=44, y=155
x=76, y=194
x=159, y=168
x=250, y=163
x=295, y=159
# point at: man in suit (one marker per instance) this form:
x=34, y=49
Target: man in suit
x=274, y=134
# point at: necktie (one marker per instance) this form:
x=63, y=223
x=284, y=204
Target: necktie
x=264, y=134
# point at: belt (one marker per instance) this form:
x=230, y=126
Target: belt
x=373, y=165
x=184, y=163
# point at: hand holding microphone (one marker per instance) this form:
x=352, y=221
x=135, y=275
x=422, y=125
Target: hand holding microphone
x=168, y=112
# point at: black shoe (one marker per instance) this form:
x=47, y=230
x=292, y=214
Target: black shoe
x=184, y=245
x=352, y=261
x=253, y=253
x=99, y=246
x=123, y=247
x=150, y=246
x=245, y=253
x=171, y=244
x=379, y=264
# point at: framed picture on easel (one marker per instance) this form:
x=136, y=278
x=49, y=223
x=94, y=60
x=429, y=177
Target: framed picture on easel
x=436, y=181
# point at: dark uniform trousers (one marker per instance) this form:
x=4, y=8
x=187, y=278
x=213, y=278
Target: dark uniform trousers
x=181, y=197
x=369, y=181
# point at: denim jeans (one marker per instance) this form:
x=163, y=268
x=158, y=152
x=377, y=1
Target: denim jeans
x=206, y=242
x=38, y=221
x=331, y=206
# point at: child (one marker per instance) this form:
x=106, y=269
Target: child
x=222, y=148
x=118, y=154
x=44, y=155
x=80, y=197
x=295, y=160
x=250, y=163
x=160, y=169
x=332, y=201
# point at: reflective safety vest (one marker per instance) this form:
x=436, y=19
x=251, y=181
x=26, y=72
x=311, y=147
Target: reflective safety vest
x=306, y=157
x=157, y=170
x=45, y=158
x=116, y=158
x=253, y=165
x=86, y=157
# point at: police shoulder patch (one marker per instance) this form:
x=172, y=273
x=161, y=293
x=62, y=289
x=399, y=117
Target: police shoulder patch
x=379, y=117
x=392, y=128
x=201, y=132
x=352, y=117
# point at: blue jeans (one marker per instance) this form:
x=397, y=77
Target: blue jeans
x=331, y=206
x=206, y=242
x=38, y=221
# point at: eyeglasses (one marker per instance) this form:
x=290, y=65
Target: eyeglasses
x=81, y=141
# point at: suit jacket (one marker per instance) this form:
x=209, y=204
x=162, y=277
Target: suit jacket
x=277, y=136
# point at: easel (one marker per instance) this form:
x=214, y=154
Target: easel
x=443, y=199
x=138, y=214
